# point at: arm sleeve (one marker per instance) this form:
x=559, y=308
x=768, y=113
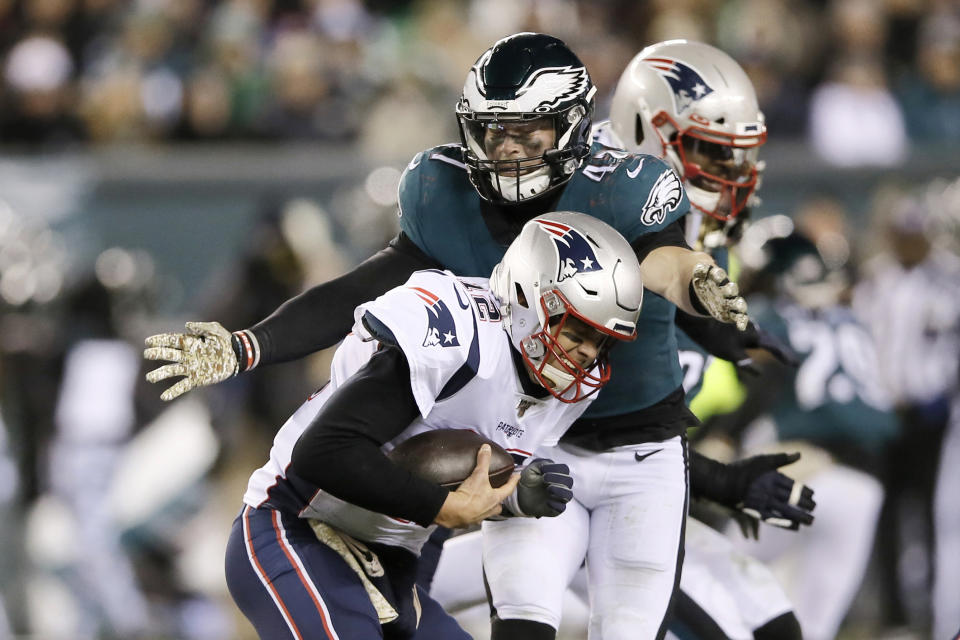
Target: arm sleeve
x=670, y=236
x=340, y=449
x=710, y=479
x=721, y=339
x=320, y=317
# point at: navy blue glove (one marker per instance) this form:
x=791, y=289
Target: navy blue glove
x=772, y=497
x=545, y=488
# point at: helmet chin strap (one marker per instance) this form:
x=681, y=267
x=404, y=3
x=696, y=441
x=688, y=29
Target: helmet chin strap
x=536, y=351
x=706, y=200
x=531, y=184
x=692, y=227
x=559, y=377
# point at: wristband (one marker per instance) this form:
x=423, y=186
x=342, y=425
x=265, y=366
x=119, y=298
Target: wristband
x=246, y=348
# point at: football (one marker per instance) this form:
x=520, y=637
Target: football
x=448, y=456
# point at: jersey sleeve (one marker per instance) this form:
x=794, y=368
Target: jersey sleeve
x=430, y=319
x=646, y=196
x=408, y=199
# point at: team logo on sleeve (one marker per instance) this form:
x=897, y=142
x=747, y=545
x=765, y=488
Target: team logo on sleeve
x=441, y=329
x=687, y=84
x=573, y=248
x=664, y=196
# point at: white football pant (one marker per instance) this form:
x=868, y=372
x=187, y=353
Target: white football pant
x=625, y=520
x=821, y=566
x=738, y=592
x=946, y=516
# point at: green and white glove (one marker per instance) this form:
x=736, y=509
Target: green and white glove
x=712, y=293
x=204, y=355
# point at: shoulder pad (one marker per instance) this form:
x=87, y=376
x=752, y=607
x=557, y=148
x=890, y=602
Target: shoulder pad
x=602, y=134
x=432, y=159
x=649, y=192
x=425, y=164
x=431, y=320
x=449, y=154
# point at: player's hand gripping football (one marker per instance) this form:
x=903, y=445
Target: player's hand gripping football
x=772, y=497
x=475, y=500
x=718, y=296
x=203, y=355
x=545, y=488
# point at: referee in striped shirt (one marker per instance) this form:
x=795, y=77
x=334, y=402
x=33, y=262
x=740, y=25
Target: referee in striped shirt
x=910, y=298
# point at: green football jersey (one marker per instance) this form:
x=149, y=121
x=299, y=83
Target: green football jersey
x=635, y=194
x=835, y=394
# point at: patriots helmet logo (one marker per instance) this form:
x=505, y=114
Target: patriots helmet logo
x=663, y=197
x=687, y=84
x=441, y=329
x=573, y=249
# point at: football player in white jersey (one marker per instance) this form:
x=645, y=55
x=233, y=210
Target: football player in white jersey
x=326, y=544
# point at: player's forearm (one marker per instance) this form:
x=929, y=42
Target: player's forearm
x=712, y=480
x=667, y=271
x=320, y=317
x=720, y=339
x=340, y=451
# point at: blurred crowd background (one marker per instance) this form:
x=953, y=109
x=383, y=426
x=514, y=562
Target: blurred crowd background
x=171, y=160
x=101, y=71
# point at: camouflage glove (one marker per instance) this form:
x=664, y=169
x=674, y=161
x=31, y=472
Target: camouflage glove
x=203, y=355
x=712, y=293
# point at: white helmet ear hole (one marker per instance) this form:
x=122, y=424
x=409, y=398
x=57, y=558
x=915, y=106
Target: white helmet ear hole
x=521, y=298
x=638, y=129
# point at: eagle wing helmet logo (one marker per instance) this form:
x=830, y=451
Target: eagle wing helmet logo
x=549, y=87
x=574, y=251
x=687, y=84
x=441, y=329
x=664, y=196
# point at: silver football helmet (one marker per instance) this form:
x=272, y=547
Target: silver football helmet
x=693, y=105
x=566, y=265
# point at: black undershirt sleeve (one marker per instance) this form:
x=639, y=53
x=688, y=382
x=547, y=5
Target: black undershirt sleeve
x=711, y=479
x=321, y=316
x=720, y=339
x=340, y=449
x=671, y=236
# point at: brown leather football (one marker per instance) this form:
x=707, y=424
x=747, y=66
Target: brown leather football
x=448, y=456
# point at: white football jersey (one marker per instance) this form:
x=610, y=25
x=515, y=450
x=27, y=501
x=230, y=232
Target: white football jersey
x=602, y=132
x=462, y=375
